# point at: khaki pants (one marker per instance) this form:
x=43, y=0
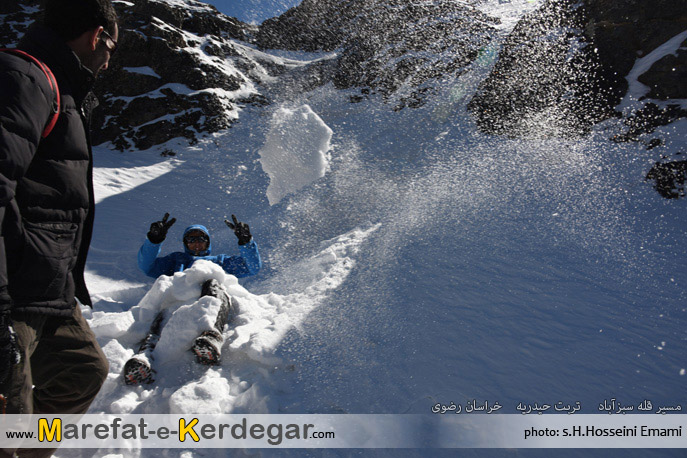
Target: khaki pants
x=61, y=371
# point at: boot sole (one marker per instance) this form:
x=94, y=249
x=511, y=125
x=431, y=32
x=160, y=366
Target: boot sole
x=205, y=352
x=137, y=372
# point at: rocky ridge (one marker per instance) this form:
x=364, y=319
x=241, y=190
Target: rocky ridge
x=397, y=48
x=547, y=74
x=183, y=69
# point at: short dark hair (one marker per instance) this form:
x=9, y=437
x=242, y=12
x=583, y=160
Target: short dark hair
x=71, y=18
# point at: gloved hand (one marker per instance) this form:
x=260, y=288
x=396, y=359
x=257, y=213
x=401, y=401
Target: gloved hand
x=241, y=230
x=9, y=349
x=158, y=230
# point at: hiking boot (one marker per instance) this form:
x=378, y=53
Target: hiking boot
x=208, y=347
x=137, y=371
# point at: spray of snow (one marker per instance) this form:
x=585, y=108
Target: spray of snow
x=295, y=153
x=508, y=11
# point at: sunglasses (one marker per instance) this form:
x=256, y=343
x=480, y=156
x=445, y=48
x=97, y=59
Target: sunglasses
x=114, y=42
x=196, y=239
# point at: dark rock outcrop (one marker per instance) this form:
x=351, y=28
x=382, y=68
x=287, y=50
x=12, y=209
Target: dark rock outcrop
x=177, y=75
x=311, y=26
x=15, y=18
x=183, y=68
x=647, y=119
x=623, y=30
x=393, y=47
x=669, y=178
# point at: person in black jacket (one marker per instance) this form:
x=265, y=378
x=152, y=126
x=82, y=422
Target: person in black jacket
x=50, y=361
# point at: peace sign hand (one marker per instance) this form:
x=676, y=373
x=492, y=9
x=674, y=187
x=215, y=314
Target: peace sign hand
x=241, y=230
x=158, y=230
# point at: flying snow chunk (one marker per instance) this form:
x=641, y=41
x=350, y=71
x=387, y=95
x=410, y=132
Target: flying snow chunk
x=295, y=153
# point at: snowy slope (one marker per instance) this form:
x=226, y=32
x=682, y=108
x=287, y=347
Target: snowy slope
x=414, y=261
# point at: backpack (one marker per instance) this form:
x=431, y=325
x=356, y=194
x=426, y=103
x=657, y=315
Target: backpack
x=53, y=85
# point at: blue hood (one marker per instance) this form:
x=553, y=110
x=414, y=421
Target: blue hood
x=197, y=227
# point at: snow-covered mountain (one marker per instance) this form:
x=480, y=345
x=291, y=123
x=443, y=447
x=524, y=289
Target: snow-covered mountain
x=412, y=255
x=565, y=62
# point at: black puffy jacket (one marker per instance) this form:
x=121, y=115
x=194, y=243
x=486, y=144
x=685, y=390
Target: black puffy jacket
x=46, y=185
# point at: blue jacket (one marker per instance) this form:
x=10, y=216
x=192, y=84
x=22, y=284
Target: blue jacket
x=249, y=263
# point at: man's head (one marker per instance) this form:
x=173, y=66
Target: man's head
x=89, y=27
x=197, y=241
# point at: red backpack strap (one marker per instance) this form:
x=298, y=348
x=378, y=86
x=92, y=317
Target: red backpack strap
x=53, y=86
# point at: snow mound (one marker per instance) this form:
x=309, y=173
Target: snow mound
x=295, y=152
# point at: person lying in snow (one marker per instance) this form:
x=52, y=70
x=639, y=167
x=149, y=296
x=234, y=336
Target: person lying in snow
x=196, y=239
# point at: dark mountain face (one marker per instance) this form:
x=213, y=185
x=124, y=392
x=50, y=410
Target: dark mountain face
x=546, y=69
x=15, y=18
x=564, y=68
x=393, y=47
x=184, y=70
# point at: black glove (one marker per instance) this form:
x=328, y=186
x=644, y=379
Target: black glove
x=240, y=229
x=158, y=230
x=9, y=349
